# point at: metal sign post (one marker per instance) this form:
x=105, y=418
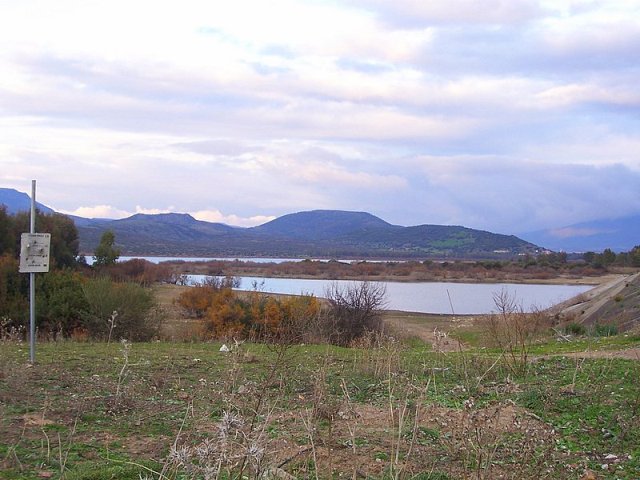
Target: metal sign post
x=34, y=258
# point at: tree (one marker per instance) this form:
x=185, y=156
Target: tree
x=608, y=257
x=6, y=232
x=635, y=256
x=105, y=253
x=64, y=236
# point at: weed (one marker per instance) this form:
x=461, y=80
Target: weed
x=608, y=330
x=576, y=329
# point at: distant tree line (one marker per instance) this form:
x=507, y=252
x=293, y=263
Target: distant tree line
x=609, y=258
x=526, y=267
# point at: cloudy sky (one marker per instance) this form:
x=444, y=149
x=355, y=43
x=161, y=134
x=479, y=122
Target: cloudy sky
x=506, y=115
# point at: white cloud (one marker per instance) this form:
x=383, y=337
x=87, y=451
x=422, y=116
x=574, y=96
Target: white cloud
x=154, y=211
x=216, y=216
x=98, y=211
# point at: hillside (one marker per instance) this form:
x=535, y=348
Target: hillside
x=324, y=225
x=16, y=201
x=321, y=233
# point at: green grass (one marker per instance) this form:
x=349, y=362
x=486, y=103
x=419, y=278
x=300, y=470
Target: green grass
x=63, y=416
x=582, y=344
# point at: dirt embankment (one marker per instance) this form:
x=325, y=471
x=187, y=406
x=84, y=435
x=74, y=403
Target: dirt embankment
x=615, y=302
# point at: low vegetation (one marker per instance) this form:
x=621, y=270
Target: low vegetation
x=383, y=410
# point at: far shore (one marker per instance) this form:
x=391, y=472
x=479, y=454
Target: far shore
x=397, y=271
x=560, y=280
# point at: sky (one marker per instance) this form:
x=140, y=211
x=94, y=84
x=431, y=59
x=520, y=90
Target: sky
x=504, y=115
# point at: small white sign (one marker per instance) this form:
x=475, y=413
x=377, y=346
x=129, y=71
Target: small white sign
x=34, y=252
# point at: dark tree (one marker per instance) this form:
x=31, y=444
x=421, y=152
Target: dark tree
x=106, y=253
x=7, y=243
x=64, y=236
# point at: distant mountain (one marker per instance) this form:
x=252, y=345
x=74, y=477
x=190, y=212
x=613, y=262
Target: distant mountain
x=319, y=233
x=323, y=224
x=16, y=201
x=619, y=234
x=161, y=233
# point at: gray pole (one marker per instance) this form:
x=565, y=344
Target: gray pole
x=32, y=284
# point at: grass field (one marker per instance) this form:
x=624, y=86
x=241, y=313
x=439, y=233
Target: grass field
x=389, y=410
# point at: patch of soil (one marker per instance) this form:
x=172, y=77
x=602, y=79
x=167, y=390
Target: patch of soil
x=36, y=419
x=626, y=354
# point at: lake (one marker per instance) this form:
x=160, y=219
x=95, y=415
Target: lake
x=205, y=259
x=428, y=297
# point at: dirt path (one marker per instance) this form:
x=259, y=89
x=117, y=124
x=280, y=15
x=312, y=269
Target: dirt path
x=626, y=354
x=430, y=328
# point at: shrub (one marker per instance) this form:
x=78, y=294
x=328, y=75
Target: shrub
x=575, y=329
x=605, y=330
x=61, y=304
x=255, y=315
x=14, y=294
x=513, y=331
x=196, y=300
x=285, y=320
x=138, y=318
x=354, y=311
x=227, y=315
x=137, y=270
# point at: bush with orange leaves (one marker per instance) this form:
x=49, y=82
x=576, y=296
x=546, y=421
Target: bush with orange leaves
x=225, y=314
x=283, y=319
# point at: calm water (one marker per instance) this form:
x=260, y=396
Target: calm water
x=428, y=297
x=207, y=259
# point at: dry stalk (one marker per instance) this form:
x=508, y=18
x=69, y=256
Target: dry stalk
x=125, y=349
x=63, y=459
x=308, y=423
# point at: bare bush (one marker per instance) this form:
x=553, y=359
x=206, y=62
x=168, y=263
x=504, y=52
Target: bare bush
x=220, y=283
x=355, y=309
x=235, y=450
x=513, y=330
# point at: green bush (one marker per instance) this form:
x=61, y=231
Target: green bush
x=575, y=329
x=605, y=330
x=138, y=318
x=14, y=294
x=60, y=302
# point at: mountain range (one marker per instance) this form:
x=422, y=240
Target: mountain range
x=330, y=233
x=618, y=234
x=318, y=233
